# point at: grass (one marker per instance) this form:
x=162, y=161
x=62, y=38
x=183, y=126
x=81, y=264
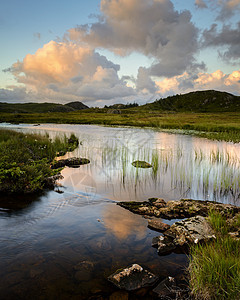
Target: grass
x=220, y=126
x=213, y=172
x=215, y=267
x=25, y=160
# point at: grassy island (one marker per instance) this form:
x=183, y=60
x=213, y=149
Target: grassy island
x=25, y=160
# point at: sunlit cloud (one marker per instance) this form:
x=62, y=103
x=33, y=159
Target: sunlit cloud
x=71, y=70
x=202, y=81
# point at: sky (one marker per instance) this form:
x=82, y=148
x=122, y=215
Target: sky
x=103, y=52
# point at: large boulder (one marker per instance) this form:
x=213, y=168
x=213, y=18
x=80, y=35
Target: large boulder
x=133, y=278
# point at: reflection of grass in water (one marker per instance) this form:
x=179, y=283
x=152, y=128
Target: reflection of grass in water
x=155, y=163
x=215, y=173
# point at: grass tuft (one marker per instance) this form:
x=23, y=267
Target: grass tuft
x=215, y=267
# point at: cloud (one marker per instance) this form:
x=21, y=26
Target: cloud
x=200, y=4
x=227, y=38
x=225, y=9
x=70, y=71
x=144, y=83
x=201, y=81
x=151, y=27
x=228, y=9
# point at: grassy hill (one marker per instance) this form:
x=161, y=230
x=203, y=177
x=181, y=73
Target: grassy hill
x=41, y=107
x=200, y=101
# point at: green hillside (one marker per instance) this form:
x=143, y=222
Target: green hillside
x=200, y=101
x=41, y=107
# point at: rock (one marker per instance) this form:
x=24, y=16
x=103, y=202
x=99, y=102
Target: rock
x=158, y=225
x=164, y=244
x=141, y=164
x=158, y=202
x=192, y=230
x=180, y=209
x=166, y=288
x=184, y=233
x=133, y=278
x=70, y=162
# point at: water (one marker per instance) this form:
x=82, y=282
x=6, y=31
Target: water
x=64, y=246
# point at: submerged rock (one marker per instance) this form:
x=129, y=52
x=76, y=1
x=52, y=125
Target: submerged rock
x=166, y=288
x=73, y=162
x=141, y=164
x=171, y=288
x=133, y=278
x=180, y=209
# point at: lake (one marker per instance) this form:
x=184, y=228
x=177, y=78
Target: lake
x=64, y=243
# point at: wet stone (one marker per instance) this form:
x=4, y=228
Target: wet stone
x=70, y=162
x=158, y=225
x=141, y=164
x=164, y=244
x=133, y=278
x=192, y=230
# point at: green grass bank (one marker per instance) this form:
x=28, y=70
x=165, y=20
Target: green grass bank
x=215, y=267
x=221, y=126
x=25, y=160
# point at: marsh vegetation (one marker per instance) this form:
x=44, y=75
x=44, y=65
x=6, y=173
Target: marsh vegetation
x=25, y=159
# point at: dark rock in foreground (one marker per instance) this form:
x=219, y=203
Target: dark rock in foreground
x=180, y=209
x=72, y=162
x=133, y=278
x=141, y=164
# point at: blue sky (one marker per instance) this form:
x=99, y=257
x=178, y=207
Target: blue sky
x=109, y=51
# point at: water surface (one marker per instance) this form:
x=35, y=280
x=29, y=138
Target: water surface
x=64, y=246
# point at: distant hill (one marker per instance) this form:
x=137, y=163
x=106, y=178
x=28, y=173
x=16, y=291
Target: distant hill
x=41, y=107
x=200, y=101
x=76, y=105
x=122, y=106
